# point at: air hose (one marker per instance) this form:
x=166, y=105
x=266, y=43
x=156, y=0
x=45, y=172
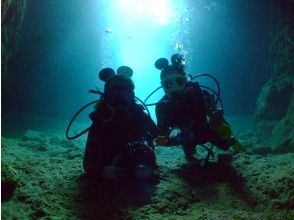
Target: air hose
x=73, y=118
x=86, y=106
x=217, y=93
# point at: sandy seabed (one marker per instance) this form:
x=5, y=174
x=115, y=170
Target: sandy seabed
x=48, y=173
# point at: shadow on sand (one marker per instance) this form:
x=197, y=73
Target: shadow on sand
x=109, y=200
x=211, y=173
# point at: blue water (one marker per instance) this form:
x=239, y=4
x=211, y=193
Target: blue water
x=65, y=43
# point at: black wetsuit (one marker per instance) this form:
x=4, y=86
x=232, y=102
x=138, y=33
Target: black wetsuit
x=110, y=134
x=188, y=107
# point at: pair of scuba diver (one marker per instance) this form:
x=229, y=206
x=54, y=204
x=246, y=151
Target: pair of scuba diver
x=121, y=138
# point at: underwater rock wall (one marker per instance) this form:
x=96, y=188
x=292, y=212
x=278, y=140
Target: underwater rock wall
x=281, y=50
x=12, y=16
x=274, y=114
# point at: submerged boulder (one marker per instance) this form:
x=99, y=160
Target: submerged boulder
x=275, y=98
x=33, y=135
x=9, y=177
x=8, y=182
x=274, y=112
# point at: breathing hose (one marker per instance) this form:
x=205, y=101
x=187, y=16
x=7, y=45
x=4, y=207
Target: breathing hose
x=73, y=118
x=217, y=93
x=86, y=106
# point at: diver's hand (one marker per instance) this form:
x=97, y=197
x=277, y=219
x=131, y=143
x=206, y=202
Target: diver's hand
x=114, y=173
x=178, y=136
x=175, y=137
x=175, y=133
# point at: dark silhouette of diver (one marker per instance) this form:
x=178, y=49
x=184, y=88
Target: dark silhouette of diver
x=187, y=115
x=120, y=139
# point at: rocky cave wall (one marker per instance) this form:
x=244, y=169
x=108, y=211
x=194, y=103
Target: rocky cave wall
x=274, y=114
x=12, y=16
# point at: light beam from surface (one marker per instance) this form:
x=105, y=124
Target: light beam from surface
x=137, y=33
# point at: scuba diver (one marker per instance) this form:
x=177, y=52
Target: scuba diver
x=187, y=114
x=120, y=139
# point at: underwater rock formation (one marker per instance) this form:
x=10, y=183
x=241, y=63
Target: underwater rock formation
x=8, y=178
x=274, y=114
x=8, y=182
x=274, y=100
x=281, y=48
x=12, y=16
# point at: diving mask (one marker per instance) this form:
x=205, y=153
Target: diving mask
x=174, y=83
x=119, y=97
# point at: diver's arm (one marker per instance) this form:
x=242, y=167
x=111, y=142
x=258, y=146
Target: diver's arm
x=93, y=161
x=150, y=129
x=161, y=117
x=163, y=126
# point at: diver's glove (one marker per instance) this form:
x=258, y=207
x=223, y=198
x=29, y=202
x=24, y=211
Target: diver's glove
x=182, y=135
x=173, y=138
x=178, y=136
